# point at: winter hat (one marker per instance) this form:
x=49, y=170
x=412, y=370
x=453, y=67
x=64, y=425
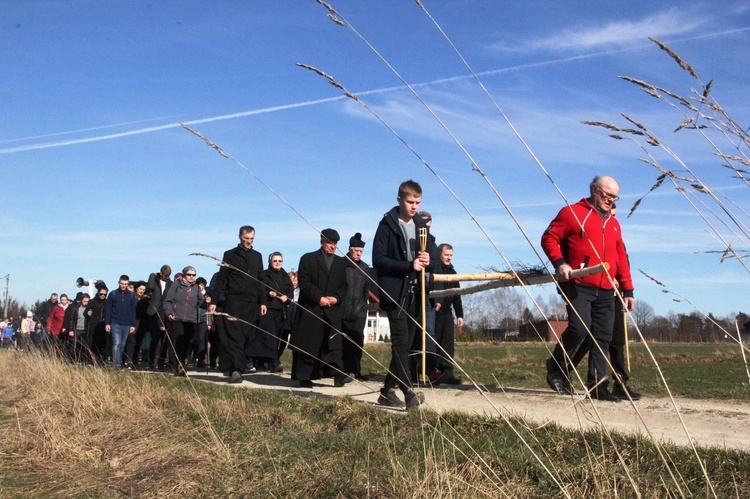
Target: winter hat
x=356, y=241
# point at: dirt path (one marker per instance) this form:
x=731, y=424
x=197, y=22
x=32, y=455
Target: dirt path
x=707, y=422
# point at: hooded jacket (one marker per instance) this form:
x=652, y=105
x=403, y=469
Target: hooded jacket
x=581, y=237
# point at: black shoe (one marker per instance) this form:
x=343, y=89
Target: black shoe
x=555, y=381
x=180, y=371
x=235, y=377
x=276, y=367
x=389, y=398
x=452, y=380
x=603, y=394
x=306, y=383
x=361, y=377
x=340, y=380
x=413, y=399
x=622, y=391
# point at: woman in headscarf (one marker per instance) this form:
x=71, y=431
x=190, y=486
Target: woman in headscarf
x=274, y=326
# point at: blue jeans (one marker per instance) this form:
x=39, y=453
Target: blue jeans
x=119, y=335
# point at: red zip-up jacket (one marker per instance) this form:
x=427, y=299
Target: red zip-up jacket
x=580, y=236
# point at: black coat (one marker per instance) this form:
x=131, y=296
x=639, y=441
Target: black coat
x=153, y=290
x=98, y=309
x=244, y=284
x=316, y=281
x=279, y=282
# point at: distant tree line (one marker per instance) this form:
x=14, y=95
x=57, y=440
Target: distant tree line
x=490, y=315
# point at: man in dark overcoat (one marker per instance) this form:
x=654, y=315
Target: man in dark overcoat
x=239, y=284
x=316, y=339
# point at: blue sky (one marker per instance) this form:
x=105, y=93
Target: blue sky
x=98, y=178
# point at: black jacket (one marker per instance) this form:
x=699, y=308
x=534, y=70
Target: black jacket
x=243, y=284
x=390, y=258
x=449, y=301
x=358, y=281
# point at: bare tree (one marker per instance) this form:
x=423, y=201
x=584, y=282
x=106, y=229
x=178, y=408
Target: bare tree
x=643, y=315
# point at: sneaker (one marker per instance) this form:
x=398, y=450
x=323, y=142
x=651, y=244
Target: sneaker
x=389, y=398
x=437, y=377
x=622, y=391
x=235, y=377
x=413, y=399
x=340, y=380
x=603, y=394
x=251, y=370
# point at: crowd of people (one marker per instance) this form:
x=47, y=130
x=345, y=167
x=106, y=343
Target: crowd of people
x=243, y=319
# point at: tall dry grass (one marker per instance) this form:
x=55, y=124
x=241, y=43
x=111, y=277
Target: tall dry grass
x=79, y=431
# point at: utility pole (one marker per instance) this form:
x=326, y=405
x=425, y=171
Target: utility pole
x=7, y=285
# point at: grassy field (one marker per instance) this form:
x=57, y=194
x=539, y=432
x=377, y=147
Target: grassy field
x=85, y=432
x=691, y=370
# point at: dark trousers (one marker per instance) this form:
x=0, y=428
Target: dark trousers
x=352, y=347
x=182, y=335
x=97, y=339
x=616, y=346
x=157, y=349
x=327, y=357
x=213, y=341
x=263, y=343
x=445, y=336
x=236, y=333
x=402, y=326
x=199, y=345
x=591, y=309
x=431, y=350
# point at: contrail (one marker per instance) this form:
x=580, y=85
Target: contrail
x=150, y=129
x=46, y=145
x=87, y=129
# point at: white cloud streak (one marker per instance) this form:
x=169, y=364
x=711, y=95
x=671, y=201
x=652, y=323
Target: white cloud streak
x=667, y=23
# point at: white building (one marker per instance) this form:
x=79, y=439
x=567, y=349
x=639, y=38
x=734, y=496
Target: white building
x=377, y=327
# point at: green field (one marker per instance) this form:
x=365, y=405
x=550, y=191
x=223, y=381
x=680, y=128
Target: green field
x=691, y=370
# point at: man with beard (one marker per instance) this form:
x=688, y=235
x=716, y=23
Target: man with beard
x=316, y=338
x=239, y=283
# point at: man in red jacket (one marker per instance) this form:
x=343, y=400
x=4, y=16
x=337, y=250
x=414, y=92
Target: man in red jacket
x=582, y=235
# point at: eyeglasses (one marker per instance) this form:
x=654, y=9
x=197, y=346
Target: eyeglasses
x=102, y=294
x=189, y=275
x=611, y=197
